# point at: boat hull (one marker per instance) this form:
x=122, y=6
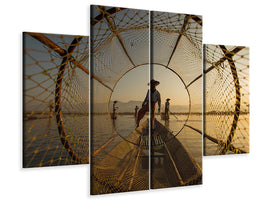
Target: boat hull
x=125, y=167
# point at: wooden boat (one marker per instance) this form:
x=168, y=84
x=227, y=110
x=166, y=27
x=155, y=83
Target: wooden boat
x=177, y=166
x=126, y=166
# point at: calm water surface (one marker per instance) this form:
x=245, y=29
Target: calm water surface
x=102, y=131
x=216, y=126
x=219, y=127
x=42, y=145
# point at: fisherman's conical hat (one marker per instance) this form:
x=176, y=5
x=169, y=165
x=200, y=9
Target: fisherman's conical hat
x=154, y=82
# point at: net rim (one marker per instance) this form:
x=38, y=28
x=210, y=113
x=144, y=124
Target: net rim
x=186, y=88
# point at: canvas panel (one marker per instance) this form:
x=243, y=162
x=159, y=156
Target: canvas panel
x=226, y=99
x=120, y=74
x=176, y=62
x=55, y=99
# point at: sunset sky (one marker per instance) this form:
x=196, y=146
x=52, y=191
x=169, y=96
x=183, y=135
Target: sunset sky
x=134, y=85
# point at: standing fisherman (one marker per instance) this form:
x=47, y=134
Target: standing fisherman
x=155, y=98
x=114, y=110
x=167, y=109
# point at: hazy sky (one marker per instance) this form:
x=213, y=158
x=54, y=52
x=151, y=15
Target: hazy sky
x=134, y=85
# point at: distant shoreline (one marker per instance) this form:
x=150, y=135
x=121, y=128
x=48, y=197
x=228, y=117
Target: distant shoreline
x=33, y=115
x=182, y=113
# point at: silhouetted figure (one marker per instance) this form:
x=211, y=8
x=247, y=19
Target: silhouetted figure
x=114, y=116
x=167, y=109
x=155, y=98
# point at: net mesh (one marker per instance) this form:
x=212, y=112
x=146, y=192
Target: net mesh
x=177, y=46
x=121, y=39
x=227, y=99
x=55, y=99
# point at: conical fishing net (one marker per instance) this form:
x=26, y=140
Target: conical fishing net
x=226, y=99
x=55, y=99
x=120, y=43
x=131, y=43
x=176, y=45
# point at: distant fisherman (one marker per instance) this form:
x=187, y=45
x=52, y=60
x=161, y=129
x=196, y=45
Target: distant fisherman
x=155, y=97
x=114, y=110
x=167, y=109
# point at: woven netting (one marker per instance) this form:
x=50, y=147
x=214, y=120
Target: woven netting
x=177, y=45
x=55, y=99
x=121, y=41
x=227, y=99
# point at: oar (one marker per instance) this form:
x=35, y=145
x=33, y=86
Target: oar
x=174, y=116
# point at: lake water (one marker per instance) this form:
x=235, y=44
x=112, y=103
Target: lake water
x=103, y=131
x=219, y=126
x=42, y=145
x=216, y=126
